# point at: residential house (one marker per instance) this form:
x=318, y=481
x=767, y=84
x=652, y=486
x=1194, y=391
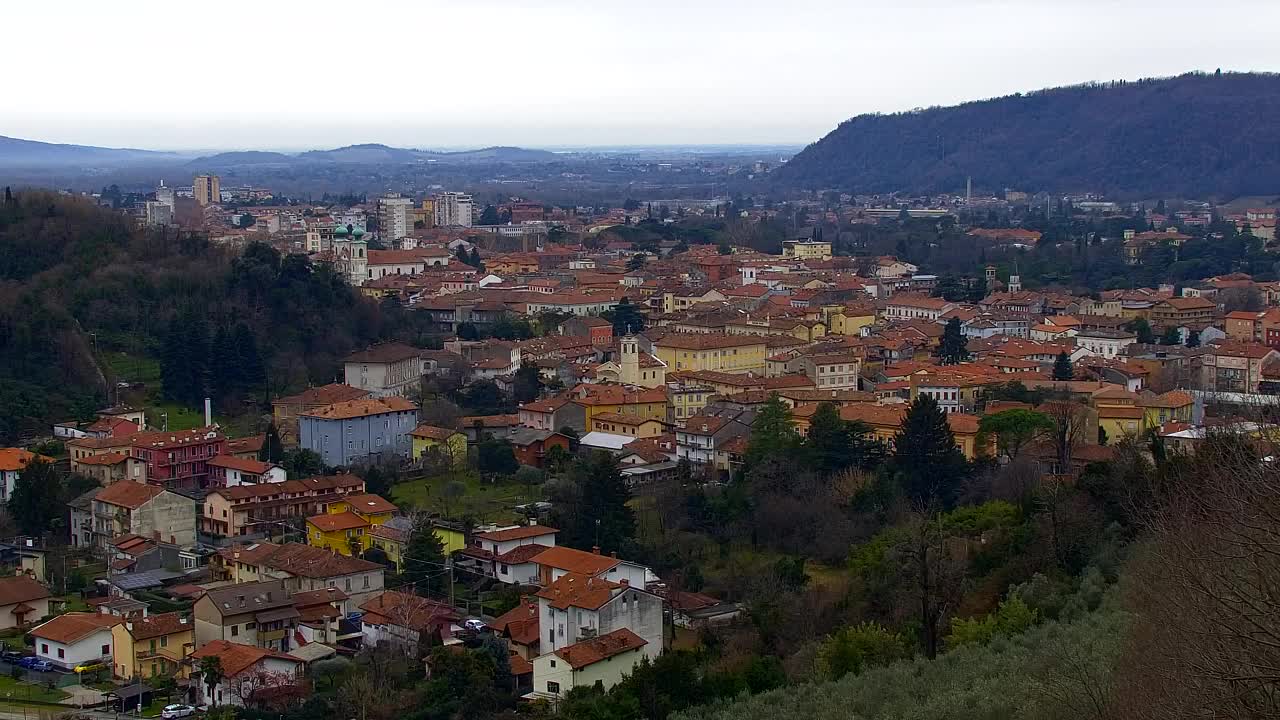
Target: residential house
x=179, y=458
x=600, y=661
x=531, y=446
x=1182, y=311
x=406, y=622
x=703, y=438
x=1235, y=367
x=555, y=562
x=109, y=467
x=553, y=414
x=285, y=410
x=1172, y=406
x=75, y=638
x=392, y=537
x=833, y=371
x=230, y=471
x=632, y=425
x=251, y=675
x=359, y=431
x=445, y=443
x=576, y=607
x=390, y=369
x=152, y=646
x=598, y=330
x=146, y=510
x=599, y=399
x=301, y=567
x=249, y=509
x=477, y=426
x=1119, y=414
x=907, y=306
x=249, y=447
x=22, y=600
x=519, y=627
x=323, y=617
x=12, y=462
x=506, y=554
x=344, y=527
x=254, y=613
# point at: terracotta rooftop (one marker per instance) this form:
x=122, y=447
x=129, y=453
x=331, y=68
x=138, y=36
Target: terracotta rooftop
x=156, y=625
x=384, y=353
x=236, y=658
x=575, y=561
x=324, y=395
x=589, y=652
x=337, y=522
x=20, y=589
x=432, y=432
x=523, y=532
x=230, y=462
x=366, y=407
x=128, y=494
x=71, y=627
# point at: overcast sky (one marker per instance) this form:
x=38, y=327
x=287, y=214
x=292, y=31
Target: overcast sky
x=423, y=73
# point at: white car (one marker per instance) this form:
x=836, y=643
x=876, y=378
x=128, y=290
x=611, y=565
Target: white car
x=176, y=711
x=475, y=625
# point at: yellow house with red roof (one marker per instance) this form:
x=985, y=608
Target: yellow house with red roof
x=344, y=527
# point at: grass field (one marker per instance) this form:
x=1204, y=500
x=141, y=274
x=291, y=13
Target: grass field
x=11, y=689
x=469, y=496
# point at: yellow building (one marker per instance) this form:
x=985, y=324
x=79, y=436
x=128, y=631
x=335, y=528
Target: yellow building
x=344, y=528
x=631, y=425
x=850, y=319
x=643, y=403
x=1175, y=405
x=806, y=250
x=1118, y=412
x=152, y=646
x=450, y=443
x=392, y=538
x=725, y=353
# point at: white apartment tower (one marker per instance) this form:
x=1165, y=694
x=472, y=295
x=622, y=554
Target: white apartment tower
x=394, y=213
x=453, y=209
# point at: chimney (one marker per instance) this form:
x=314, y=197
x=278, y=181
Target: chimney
x=182, y=621
x=129, y=626
x=613, y=554
x=208, y=412
x=624, y=582
x=533, y=610
x=595, y=549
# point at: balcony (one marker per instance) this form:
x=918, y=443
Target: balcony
x=272, y=635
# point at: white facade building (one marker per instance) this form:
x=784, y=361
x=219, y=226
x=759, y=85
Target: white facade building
x=453, y=209
x=394, y=216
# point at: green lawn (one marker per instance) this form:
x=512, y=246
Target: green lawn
x=125, y=367
x=74, y=603
x=16, y=691
x=484, y=501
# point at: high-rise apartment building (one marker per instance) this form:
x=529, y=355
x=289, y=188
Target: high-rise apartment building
x=207, y=190
x=395, y=216
x=453, y=209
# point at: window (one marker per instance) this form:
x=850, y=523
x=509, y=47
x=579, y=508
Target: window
x=551, y=636
x=164, y=642
x=553, y=663
x=44, y=648
x=235, y=630
x=366, y=581
x=250, y=625
x=62, y=653
x=553, y=687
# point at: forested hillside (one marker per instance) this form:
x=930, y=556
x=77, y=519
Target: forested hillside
x=80, y=284
x=1193, y=135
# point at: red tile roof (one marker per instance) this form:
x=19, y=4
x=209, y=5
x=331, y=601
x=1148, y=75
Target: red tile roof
x=128, y=494
x=236, y=658
x=589, y=652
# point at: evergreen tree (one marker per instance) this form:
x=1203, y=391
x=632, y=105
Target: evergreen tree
x=834, y=444
x=1193, y=339
x=272, y=449
x=1143, y=330
x=1062, y=369
x=526, y=385
x=475, y=261
x=252, y=374
x=773, y=432
x=423, y=564
x=953, y=349
x=1171, y=336
x=598, y=514
x=36, y=501
x=926, y=460
x=626, y=319
x=461, y=255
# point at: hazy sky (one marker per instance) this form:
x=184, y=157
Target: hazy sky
x=422, y=73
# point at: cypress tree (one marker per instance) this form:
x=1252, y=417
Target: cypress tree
x=953, y=349
x=925, y=458
x=1062, y=369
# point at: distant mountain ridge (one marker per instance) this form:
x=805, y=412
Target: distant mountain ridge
x=1194, y=135
x=16, y=152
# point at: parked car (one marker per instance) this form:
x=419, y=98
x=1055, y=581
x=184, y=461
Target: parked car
x=27, y=661
x=475, y=625
x=176, y=711
x=42, y=666
x=92, y=666
x=10, y=656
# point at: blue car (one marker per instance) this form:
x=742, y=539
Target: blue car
x=28, y=661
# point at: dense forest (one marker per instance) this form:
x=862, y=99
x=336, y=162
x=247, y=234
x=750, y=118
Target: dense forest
x=81, y=286
x=1194, y=135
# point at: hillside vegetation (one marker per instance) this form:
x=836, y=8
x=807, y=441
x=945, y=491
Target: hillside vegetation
x=81, y=285
x=1193, y=135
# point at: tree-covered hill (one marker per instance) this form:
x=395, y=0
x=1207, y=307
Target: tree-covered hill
x=79, y=284
x=1193, y=135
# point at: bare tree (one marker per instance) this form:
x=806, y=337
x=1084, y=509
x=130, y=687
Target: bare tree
x=1207, y=588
